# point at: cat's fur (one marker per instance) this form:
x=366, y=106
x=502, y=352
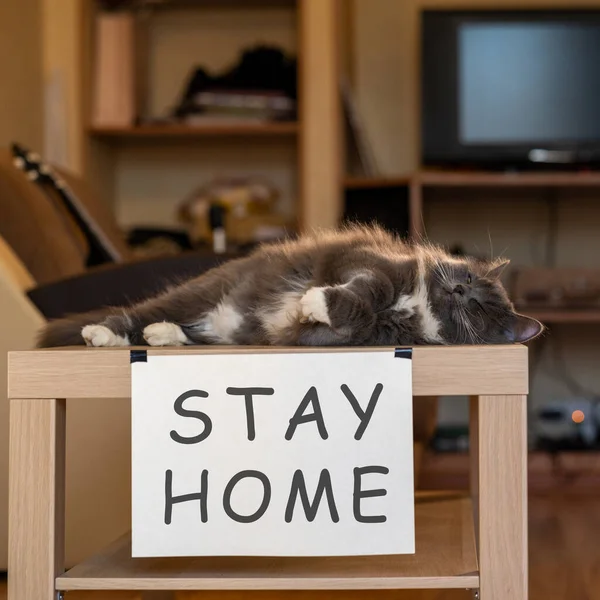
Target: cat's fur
x=359, y=286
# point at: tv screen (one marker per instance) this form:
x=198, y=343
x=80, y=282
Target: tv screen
x=511, y=88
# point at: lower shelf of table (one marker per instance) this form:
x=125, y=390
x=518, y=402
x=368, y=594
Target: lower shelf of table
x=445, y=558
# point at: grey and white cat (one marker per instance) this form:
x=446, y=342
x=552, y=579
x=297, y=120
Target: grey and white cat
x=358, y=286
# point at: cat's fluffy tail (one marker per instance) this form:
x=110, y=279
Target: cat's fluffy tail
x=67, y=331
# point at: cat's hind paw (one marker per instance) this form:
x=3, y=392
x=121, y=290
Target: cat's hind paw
x=313, y=306
x=100, y=336
x=164, y=334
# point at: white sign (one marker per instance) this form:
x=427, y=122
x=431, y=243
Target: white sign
x=303, y=454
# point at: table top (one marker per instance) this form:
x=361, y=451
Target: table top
x=80, y=372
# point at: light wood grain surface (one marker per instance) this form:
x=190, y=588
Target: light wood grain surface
x=36, y=498
x=502, y=495
x=106, y=373
x=445, y=558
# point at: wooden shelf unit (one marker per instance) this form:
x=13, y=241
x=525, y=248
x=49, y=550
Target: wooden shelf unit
x=447, y=528
x=315, y=197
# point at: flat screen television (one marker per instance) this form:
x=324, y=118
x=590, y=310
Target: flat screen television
x=511, y=89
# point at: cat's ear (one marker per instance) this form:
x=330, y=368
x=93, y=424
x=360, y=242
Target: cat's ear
x=523, y=329
x=497, y=268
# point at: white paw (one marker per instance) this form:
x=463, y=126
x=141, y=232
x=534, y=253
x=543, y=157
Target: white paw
x=164, y=334
x=313, y=307
x=101, y=336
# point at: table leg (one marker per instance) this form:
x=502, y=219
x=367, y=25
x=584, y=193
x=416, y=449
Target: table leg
x=499, y=490
x=36, y=498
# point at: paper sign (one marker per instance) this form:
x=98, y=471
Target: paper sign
x=303, y=454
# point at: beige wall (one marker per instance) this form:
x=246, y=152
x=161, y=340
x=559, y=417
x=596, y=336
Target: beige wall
x=20, y=72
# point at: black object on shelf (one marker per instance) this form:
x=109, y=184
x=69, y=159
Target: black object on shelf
x=265, y=72
x=387, y=207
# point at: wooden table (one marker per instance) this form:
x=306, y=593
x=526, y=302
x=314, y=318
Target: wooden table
x=478, y=542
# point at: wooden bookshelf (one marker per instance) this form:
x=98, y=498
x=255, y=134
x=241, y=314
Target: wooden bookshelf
x=445, y=559
x=275, y=129
x=307, y=171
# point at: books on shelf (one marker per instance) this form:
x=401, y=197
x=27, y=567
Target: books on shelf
x=114, y=77
x=240, y=106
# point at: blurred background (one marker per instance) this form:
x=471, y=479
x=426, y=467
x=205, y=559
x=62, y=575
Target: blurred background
x=145, y=141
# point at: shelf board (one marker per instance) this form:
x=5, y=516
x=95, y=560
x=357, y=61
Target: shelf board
x=359, y=183
x=445, y=558
x=558, y=315
x=507, y=179
x=71, y=372
x=283, y=128
x=244, y=4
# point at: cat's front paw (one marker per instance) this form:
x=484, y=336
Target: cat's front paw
x=313, y=307
x=164, y=334
x=100, y=336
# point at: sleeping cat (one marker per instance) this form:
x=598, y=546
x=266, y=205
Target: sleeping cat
x=358, y=286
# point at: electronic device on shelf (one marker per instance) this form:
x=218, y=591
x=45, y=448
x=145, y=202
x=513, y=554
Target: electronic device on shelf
x=568, y=424
x=511, y=89
x=566, y=288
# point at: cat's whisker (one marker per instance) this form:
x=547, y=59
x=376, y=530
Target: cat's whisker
x=474, y=337
x=442, y=273
x=447, y=273
x=479, y=317
x=461, y=337
x=463, y=327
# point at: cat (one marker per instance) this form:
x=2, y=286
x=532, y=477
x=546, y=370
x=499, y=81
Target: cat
x=356, y=286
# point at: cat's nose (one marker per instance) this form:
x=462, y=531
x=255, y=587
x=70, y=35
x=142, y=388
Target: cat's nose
x=459, y=289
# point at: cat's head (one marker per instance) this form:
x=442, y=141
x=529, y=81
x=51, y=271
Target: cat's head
x=472, y=305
